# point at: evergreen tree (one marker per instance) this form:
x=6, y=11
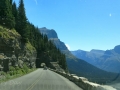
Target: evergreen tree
x=47, y=52
x=11, y=2
x=15, y=13
x=22, y=21
x=6, y=17
x=2, y=8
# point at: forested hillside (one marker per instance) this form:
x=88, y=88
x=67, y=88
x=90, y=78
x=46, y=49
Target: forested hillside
x=13, y=17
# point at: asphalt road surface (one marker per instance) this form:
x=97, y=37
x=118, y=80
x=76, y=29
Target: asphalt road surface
x=115, y=85
x=40, y=80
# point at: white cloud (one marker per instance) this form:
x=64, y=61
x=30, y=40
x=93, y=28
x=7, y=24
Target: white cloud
x=35, y=1
x=110, y=14
x=67, y=46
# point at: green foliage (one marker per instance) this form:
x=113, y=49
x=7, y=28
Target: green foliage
x=6, y=16
x=10, y=73
x=7, y=76
x=19, y=72
x=30, y=47
x=12, y=68
x=15, y=14
x=15, y=72
x=25, y=68
x=23, y=71
x=8, y=35
x=3, y=73
x=17, y=68
x=46, y=51
x=22, y=21
x=11, y=1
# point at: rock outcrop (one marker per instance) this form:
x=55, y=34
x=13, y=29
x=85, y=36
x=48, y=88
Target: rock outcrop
x=49, y=32
x=14, y=52
x=52, y=35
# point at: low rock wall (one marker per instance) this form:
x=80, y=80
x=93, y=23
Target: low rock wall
x=83, y=82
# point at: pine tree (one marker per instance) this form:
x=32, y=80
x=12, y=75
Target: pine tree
x=22, y=21
x=6, y=17
x=15, y=13
x=11, y=1
x=2, y=7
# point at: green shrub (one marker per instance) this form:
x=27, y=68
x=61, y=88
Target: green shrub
x=7, y=76
x=17, y=68
x=26, y=69
x=12, y=68
x=10, y=73
x=19, y=72
x=14, y=72
x=23, y=71
x=3, y=73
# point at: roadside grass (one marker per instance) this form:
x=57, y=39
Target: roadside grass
x=15, y=72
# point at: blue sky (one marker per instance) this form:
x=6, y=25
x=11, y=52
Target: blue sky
x=81, y=24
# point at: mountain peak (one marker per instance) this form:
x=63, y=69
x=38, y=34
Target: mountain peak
x=49, y=32
x=52, y=35
x=117, y=49
x=96, y=51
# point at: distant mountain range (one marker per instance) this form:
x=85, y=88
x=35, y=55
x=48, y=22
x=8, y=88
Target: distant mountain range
x=75, y=65
x=108, y=60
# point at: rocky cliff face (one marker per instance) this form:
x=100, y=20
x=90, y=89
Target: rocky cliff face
x=52, y=35
x=49, y=32
x=14, y=52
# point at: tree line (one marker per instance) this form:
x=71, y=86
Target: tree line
x=12, y=16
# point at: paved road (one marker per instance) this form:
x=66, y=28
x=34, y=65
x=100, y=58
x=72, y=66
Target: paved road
x=115, y=85
x=39, y=80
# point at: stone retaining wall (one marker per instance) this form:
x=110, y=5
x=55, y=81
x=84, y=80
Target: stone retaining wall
x=83, y=82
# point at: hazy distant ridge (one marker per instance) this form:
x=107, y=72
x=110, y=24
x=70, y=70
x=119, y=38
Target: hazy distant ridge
x=108, y=60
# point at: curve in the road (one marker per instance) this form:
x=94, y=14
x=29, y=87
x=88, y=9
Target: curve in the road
x=40, y=80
